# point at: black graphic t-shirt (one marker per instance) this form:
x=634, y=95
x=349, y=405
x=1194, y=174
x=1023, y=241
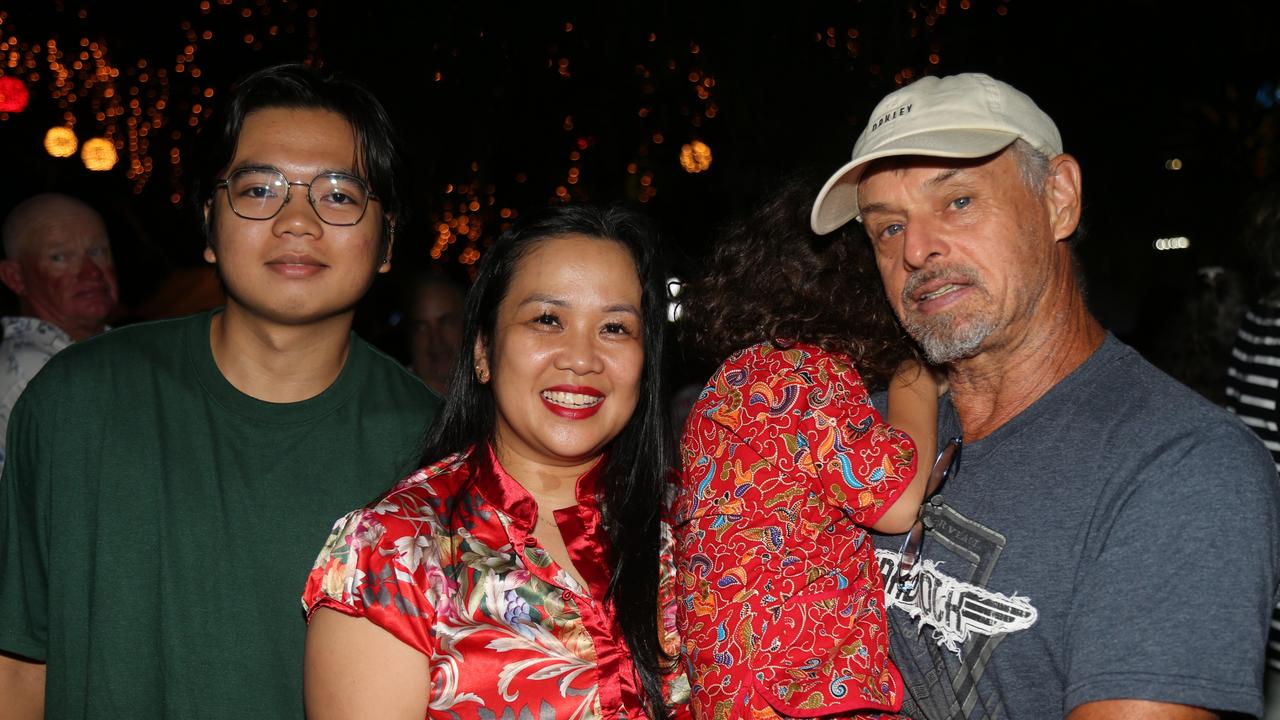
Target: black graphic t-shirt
x=1118, y=539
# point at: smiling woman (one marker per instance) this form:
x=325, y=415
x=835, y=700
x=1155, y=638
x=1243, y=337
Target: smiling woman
x=566, y=356
x=526, y=565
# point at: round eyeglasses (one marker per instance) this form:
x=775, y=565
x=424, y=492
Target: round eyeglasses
x=261, y=193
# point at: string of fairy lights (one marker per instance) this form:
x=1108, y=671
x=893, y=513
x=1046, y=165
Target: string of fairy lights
x=472, y=205
x=113, y=110
x=136, y=115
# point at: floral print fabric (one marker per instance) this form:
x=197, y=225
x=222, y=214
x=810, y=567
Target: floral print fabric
x=447, y=563
x=782, y=607
x=28, y=344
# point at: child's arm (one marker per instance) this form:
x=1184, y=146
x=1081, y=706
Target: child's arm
x=913, y=409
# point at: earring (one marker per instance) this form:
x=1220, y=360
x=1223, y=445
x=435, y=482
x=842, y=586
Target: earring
x=482, y=374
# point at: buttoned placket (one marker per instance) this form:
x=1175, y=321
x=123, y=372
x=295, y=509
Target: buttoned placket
x=591, y=611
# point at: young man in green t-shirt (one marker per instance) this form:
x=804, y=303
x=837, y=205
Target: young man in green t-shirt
x=168, y=484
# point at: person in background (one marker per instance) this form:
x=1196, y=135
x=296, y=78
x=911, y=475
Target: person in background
x=58, y=262
x=1110, y=545
x=1253, y=370
x=786, y=465
x=433, y=326
x=167, y=482
x=525, y=570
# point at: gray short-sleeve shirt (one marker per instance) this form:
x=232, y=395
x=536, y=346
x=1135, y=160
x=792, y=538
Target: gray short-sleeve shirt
x=1117, y=539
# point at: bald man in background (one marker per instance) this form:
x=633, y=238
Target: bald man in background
x=58, y=262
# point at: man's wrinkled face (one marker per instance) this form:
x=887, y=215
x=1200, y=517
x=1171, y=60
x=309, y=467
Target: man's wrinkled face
x=962, y=247
x=67, y=274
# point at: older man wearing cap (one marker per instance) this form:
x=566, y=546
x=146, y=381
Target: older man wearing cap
x=1109, y=547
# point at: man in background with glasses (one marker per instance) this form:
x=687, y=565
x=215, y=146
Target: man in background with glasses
x=1109, y=547
x=167, y=483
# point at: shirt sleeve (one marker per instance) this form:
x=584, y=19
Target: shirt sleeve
x=379, y=565
x=862, y=463
x=24, y=532
x=21, y=363
x=1177, y=581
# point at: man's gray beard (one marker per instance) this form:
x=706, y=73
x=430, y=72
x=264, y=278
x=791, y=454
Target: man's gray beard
x=945, y=338
x=942, y=342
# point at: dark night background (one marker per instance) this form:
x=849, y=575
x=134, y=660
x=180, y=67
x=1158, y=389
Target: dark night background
x=502, y=105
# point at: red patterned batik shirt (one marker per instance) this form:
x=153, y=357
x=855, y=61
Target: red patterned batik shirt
x=782, y=606
x=447, y=563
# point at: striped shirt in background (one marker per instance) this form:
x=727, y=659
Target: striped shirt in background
x=1253, y=393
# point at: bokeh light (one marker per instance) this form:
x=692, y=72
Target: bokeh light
x=695, y=157
x=13, y=94
x=99, y=154
x=61, y=142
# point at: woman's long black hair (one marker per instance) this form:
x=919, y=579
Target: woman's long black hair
x=639, y=458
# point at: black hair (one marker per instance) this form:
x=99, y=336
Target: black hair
x=639, y=459
x=294, y=85
x=772, y=279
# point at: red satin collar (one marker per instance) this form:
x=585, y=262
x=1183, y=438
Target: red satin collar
x=580, y=525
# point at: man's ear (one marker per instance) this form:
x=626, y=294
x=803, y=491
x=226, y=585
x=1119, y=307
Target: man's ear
x=11, y=276
x=207, y=225
x=1062, y=195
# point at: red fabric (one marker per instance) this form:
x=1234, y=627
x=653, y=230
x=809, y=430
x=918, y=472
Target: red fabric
x=782, y=609
x=505, y=626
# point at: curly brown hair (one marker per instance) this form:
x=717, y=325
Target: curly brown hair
x=770, y=278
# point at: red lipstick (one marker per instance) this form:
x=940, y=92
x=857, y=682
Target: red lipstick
x=572, y=408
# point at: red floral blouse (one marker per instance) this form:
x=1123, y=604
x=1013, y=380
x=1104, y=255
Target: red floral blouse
x=507, y=630
x=782, y=609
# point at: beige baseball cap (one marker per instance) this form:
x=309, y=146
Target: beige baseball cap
x=959, y=116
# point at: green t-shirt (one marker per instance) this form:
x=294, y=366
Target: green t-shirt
x=158, y=525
